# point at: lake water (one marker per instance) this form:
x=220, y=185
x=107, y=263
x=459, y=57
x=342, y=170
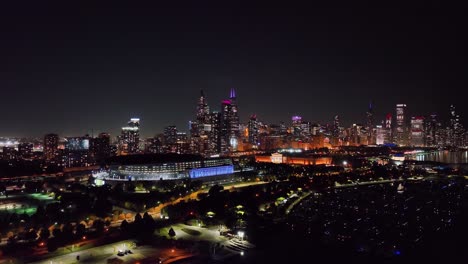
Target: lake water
x=451, y=157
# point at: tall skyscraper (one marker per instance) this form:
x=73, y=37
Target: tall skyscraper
x=203, y=110
x=381, y=133
x=170, y=135
x=431, y=125
x=296, y=125
x=234, y=116
x=50, y=146
x=388, y=128
x=456, y=131
x=417, y=131
x=25, y=150
x=253, y=131
x=130, y=137
x=225, y=133
x=229, y=123
x=370, y=125
x=199, y=126
x=100, y=147
x=401, y=129
x=215, y=135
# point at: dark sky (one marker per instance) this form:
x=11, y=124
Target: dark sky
x=70, y=69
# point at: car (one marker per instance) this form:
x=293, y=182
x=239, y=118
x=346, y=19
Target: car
x=120, y=253
x=128, y=251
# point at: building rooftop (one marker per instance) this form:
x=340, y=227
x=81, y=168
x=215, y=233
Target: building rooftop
x=153, y=158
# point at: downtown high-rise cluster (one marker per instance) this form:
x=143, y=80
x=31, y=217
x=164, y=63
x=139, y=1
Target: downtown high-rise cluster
x=220, y=132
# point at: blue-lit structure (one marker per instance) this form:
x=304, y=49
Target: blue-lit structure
x=166, y=167
x=211, y=171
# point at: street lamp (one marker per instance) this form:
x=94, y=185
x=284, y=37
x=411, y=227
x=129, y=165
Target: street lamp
x=240, y=234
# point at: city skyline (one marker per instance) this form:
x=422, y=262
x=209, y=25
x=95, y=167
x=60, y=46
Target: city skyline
x=89, y=68
x=378, y=119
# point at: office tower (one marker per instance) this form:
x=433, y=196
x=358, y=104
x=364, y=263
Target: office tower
x=388, y=128
x=203, y=112
x=381, y=134
x=170, y=135
x=100, y=147
x=357, y=137
x=336, y=127
x=154, y=145
x=456, y=130
x=417, y=131
x=401, y=131
x=431, y=125
x=234, y=116
x=370, y=125
x=215, y=134
x=225, y=135
x=76, y=152
x=306, y=129
x=182, y=145
x=130, y=137
x=296, y=125
x=200, y=128
x=9, y=153
x=253, y=131
x=25, y=150
x=50, y=147
x=335, y=131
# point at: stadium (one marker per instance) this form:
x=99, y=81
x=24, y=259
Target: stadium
x=157, y=167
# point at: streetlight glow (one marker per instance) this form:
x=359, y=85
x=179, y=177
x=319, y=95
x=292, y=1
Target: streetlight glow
x=240, y=234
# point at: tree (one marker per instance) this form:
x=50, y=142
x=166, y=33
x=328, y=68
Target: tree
x=52, y=244
x=99, y=225
x=31, y=235
x=44, y=234
x=80, y=230
x=57, y=233
x=67, y=232
x=148, y=220
x=172, y=232
x=215, y=189
x=124, y=226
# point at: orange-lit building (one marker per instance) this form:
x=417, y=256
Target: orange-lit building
x=294, y=160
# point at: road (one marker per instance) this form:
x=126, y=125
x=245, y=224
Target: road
x=155, y=212
x=104, y=254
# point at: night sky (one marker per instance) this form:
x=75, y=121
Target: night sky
x=74, y=69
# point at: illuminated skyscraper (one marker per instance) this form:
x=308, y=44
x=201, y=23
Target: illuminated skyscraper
x=431, y=126
x=170, y=135
x=401, y=129
x=253, y=131
x=234, y=117
x=225, y=127
x=370, y=125
x=417, y=131
x=199, y=127
x=336, y=127
x=229, y=123
x=381, y=134
x=456, y=131
x=388, y=128
x=50, y=146
x=296, y=125
x=215, y=134
x=130, y=137
x=25, y=150
x=100, y=147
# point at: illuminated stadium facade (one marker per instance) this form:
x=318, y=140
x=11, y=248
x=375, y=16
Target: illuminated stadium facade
x=165, y=167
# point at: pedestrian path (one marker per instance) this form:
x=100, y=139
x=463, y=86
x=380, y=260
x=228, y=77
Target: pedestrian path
x=238, y=245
